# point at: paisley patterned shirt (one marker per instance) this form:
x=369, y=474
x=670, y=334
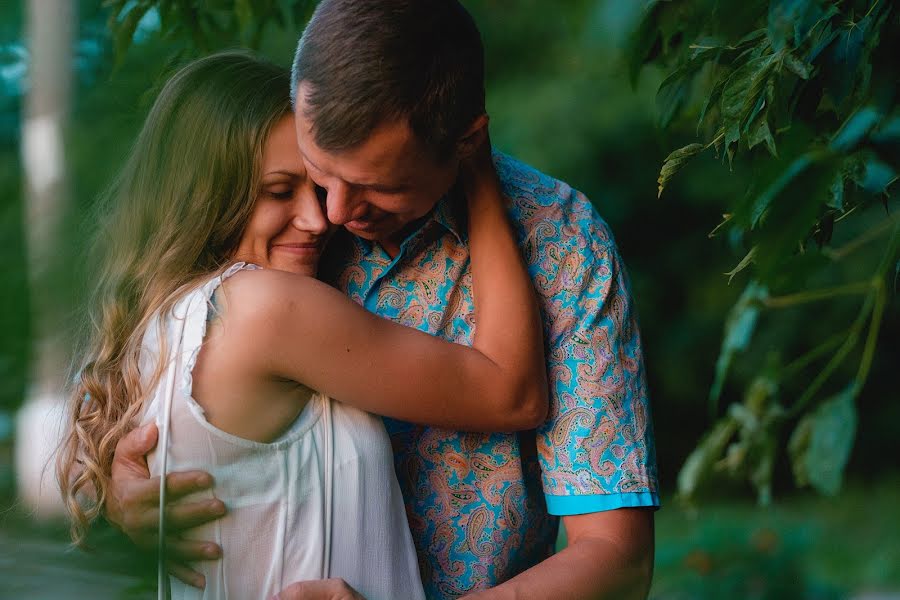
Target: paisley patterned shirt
x=485, y=507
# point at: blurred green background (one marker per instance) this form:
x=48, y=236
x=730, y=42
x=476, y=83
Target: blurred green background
x=560, y=99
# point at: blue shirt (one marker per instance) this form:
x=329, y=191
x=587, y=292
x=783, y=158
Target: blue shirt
x=484, y=507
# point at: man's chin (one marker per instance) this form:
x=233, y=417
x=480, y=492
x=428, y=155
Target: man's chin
x=370, y=232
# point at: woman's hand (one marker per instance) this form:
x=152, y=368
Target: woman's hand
x=133, y=505
x=478, y=177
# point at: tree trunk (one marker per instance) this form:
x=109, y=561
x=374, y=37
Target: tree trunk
x=50, y=28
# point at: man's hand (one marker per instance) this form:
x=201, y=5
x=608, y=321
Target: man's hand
x=319, y=589
x=132, y=505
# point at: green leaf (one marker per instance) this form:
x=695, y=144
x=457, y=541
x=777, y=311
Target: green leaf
x=783, y=14
x=796, y=66
x=877, y=177
x=673, y=163
x=814, y=21
x=762, y=202
x=761, y=475
x=798, y=448
x=674, y=89
x=642, y=42
x=750, y=39
x=699, y=464
x=741, y=95
x=714, y=95
x=726, y=218
x=745, y=262
x=843, y=60
x=754, y=453
x=886, y=140
x=821, y=443
x=739, y=327
x=124, y=29
x=743, y=87
x=671, y=96
x=836, y=193
x=855, y=129
x=761, y=133
x=821, y=37
x=888, y=132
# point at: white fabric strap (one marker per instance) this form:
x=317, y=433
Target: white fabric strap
x=172, y=377
x=329, y=485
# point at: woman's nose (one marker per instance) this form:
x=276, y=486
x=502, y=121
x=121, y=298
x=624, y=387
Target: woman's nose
x=310, y=216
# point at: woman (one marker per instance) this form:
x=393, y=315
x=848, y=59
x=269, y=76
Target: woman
x=208, y=320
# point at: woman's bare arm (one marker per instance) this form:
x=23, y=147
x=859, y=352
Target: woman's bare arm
x=295, y=327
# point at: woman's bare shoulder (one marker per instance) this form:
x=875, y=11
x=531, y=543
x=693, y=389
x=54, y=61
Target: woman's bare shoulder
x=258, y=293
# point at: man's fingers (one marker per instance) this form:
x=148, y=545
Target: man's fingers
x=179, y=485
x=132, y=448
x=145, y=523
x=186, y=574
x=129, y=501
x=136, y=507
x=185, y=551
x=139, y=492
x=192, y=514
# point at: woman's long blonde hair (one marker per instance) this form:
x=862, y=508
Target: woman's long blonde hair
x=175, y=214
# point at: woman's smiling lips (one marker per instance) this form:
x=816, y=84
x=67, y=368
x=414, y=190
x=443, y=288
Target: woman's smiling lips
x=300, y=249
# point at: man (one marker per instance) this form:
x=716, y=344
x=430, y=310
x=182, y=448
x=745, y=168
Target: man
x=387, y=92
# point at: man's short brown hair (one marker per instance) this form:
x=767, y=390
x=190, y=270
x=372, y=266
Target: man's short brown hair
x=366, y=62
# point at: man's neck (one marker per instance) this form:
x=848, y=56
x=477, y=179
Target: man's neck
x=391, y=246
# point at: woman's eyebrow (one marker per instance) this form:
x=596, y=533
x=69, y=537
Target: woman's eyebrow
x=284, y=173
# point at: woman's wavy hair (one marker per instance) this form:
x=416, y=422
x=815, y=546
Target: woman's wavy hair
x=174, y=214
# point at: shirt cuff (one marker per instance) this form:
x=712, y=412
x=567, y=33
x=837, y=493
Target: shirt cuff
x=589, y=503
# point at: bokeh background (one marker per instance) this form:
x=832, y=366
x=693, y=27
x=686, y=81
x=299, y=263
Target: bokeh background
x=560, y=99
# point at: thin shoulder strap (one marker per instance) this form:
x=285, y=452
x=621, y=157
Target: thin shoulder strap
x=172, y=377
x=329, y=485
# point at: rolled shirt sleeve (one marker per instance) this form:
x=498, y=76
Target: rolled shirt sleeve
x=596, y=450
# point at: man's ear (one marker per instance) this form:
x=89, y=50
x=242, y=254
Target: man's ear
x=473, y=138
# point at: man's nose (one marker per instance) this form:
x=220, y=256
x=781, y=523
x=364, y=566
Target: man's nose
x=341, y=204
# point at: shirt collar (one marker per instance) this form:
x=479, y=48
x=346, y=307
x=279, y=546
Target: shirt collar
x=447, y=213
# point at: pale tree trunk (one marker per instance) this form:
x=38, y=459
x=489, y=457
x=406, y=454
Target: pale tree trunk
x=50, y=28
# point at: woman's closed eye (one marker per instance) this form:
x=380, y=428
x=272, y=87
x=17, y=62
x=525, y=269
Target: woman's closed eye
x=280, y=193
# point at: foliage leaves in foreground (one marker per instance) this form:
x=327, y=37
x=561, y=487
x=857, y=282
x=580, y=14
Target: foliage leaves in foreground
x=198, y=28
x=804, y=92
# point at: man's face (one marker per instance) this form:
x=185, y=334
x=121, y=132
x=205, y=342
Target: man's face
x=380, y=186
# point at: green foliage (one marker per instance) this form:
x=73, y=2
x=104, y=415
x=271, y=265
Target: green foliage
x=821, y=443
x=196, y=28
x=802, y=92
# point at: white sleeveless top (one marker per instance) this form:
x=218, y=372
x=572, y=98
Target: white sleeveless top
x=279, y=527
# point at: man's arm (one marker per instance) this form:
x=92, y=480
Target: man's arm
x=596, y=450
x=609, y=555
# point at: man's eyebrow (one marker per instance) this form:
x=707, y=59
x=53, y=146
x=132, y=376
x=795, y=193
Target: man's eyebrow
x=378, y=187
